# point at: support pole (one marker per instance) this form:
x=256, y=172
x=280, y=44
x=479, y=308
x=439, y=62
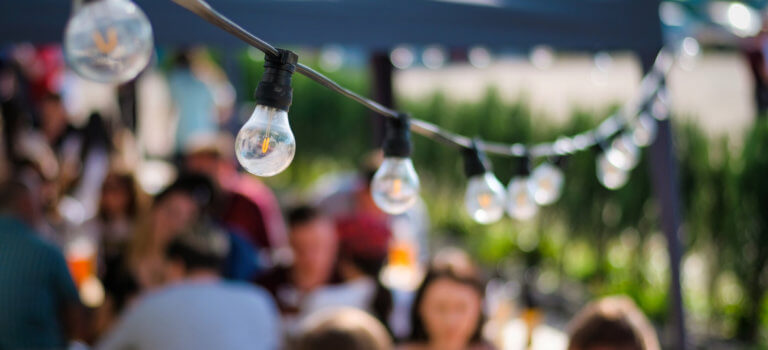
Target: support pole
x=664, y=177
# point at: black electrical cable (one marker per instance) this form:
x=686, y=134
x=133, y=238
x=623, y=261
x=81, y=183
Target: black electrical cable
x=649, y=87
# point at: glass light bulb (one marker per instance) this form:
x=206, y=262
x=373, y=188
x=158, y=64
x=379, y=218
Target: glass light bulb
x=644, y=130
x=265, y=145
x=108, y=41
x=395, y=186
x=609, y=175
x=485, y=198
x=546, y=184
x=623, y=153
x=520, y=203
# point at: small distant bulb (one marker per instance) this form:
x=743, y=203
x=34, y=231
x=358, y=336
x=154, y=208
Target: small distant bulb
x=623, y=153
x=485, y=198
x=546, y=184
x=480, y=57
x=265, y=145
x=108, y=41
x=395, y=186
x=644, y=130
x=520, y=203
x=609, y=175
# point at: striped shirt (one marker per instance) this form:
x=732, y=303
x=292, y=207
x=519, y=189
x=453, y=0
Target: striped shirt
x=35, y=286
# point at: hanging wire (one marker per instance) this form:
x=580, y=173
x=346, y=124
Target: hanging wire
x=649, y=87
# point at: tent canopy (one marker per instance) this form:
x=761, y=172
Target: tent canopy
x=378, y=24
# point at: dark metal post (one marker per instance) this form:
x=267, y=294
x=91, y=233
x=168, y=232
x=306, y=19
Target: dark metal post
x=381, y=91
x=664, y=177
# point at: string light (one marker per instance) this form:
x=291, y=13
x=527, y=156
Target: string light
x=623, y=153
x=520, y=202
x=108, y=41
x=395, y=186
x=111, y=41
x=485, y=195
x=546, y=183
x=265, y=145
x=644, y=130
x=609, y=175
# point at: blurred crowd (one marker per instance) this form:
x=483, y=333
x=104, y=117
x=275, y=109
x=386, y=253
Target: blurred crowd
x=95, y=252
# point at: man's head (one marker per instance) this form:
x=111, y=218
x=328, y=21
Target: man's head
x=613, y=323
x=343, y=329
x=21, y=196
x=314, y=244
x=199, y=250
x=208, y=153
x=15, y=198
x=176, y=207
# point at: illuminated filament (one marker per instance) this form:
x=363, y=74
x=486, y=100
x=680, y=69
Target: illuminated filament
x=546, y=184
x=397, y=186
x=265, y=143
x=105, y=46
x=484, y=200
x=521, y=199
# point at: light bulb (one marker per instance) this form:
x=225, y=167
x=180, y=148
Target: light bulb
x=265, y=144
x=485, y=198
x=623, y=153
x=108, y=41
x=520, y=203
x=609, y=175
x=644, y=131
x=546, y=184
x=395, y=186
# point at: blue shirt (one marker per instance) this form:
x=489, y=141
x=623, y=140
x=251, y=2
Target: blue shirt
x=195, y=105
x=199, y=315
x=35, y=286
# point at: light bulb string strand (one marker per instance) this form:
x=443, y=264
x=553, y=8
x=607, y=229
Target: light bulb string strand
x=649, y=88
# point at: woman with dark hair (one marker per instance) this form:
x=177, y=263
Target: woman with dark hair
x=362, y=253
x=447, y=312
x=117, y=212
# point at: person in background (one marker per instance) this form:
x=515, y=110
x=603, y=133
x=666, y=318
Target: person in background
x=95, y=148
x=314, y=244
x=246, y=204
x=197, y=309
x=61, y=136
x=172, y=209
x=193, y=100
x=118, y=211
x=40, y=306
x=342, y=329
x=120, y=291
x=189, y=198
x=612, y=323
x=447, y=312
x=361, y=257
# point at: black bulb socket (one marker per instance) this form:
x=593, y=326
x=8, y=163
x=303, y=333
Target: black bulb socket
x=524, y=166
x=274, y=89
x=558, y=160
x=397, y=137
x=475, y=161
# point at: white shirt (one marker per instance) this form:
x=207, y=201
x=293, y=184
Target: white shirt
x=199, y=315
x=356, y=294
